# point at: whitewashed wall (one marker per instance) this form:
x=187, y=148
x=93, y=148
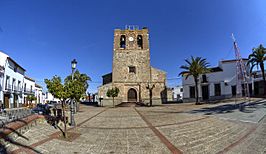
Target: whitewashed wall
x=177, y=91
x=38, y=95
x=29, y=83
x=226, y=79
x=14, y=72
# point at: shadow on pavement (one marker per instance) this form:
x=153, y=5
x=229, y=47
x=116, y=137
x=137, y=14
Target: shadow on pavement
x=166, y=112
x=90, y=103
x=5, y=137
x=244, y=107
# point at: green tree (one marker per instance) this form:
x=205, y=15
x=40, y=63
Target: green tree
x=257, y=58
x=74, y=89
x=58, y=90
x=195, y=67
x=113, y=93
x=78, y=86
x=31, y=98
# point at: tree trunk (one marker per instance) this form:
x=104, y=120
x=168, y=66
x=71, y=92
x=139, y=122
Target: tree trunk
x=263, y=76
x=197, y=90
x=150, y=97
x=113, y=102
x=77, y=103
x=64, y=116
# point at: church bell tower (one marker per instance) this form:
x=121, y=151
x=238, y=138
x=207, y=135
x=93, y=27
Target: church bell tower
x=132, y=73
x=131, y=55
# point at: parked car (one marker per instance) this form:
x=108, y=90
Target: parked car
x=41, y=109
x=52, y=103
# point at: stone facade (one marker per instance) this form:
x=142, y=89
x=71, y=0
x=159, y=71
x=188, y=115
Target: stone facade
x=132, y=72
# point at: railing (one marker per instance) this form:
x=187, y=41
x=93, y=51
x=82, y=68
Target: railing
x=9, y=115
x=20, y=89
x=29, y=91
x=17, y=89
x=8, y=87
x=14, y=88
x=258, y=76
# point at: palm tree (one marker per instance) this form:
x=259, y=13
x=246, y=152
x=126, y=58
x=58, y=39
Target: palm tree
x=257, y=58
x=195, y=67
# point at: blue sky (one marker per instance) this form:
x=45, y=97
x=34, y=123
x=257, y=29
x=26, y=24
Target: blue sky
x=45, y=35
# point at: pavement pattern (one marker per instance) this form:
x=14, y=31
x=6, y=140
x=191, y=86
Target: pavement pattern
x=178, y=128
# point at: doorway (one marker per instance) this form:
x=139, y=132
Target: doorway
x=15, y=100
x=205, y=92
x=132, y=95
x=6, y=100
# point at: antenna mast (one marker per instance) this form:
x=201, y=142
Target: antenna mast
x=241, y=72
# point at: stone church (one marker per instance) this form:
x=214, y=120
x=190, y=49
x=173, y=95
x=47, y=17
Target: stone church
x=132, y=73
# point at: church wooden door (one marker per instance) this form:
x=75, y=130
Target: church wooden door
x=132, y=95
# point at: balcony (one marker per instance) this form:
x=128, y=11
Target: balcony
x=8, y=87
x=29, y=91
x=14, y=88
x=17, y=89
x=257, y=75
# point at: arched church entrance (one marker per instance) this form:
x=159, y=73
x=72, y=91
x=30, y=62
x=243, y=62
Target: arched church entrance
x=132, y=95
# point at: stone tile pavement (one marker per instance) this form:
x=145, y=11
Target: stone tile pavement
x=159, y=129
x=255, y=143
x=247, y=112
x=35, y=134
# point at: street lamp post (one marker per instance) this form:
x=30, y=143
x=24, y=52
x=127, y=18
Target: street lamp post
x=72, y=120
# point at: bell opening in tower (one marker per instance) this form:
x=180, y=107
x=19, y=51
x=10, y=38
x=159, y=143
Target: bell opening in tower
x=123, y=41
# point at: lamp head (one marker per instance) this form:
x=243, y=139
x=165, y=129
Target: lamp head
x=74, y=63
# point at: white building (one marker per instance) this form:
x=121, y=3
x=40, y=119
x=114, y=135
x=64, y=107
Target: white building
x=39, y=94
x=29, y=90
x=258, y=83
x=2, y=71
x=178, y=93
x=50, y=97
x=12, y=75
x=43, y=97
x=15, y=87
x=219, y=84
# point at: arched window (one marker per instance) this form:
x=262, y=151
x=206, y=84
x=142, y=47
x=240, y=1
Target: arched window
x=123, y=41
x=140, y=41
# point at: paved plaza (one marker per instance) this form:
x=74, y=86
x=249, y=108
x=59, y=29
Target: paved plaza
x=174, y=128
